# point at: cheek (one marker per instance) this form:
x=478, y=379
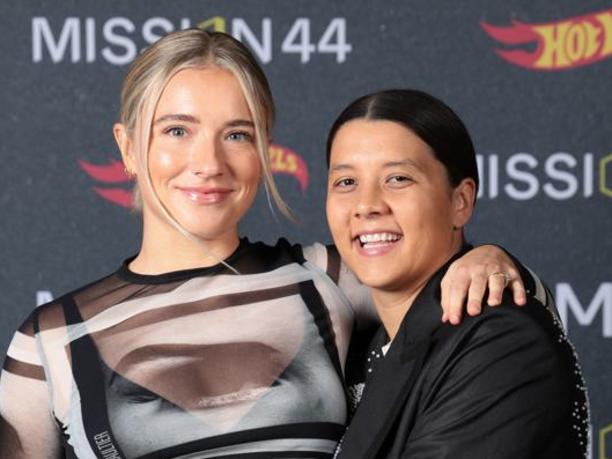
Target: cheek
x=336, y=218
x=425, y=213
x=162, y=164
x=250, y=171
x=437, y=216
x=166, y=161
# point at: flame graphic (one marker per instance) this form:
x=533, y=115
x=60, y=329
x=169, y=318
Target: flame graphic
x=283, y=160
x=560, y=45
x=286, y=161
x=113, y=173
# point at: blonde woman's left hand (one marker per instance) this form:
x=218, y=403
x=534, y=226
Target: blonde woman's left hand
x=483, y=267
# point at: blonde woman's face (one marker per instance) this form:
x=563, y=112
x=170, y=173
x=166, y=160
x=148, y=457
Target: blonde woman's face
x=203, y=160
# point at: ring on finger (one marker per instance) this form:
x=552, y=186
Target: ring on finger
x=507, y=277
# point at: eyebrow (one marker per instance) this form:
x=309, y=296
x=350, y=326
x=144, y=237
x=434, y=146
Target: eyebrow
x=340, y=167
x=196, y=120
x=240, y=122
x=177, y=117
x=405, y=162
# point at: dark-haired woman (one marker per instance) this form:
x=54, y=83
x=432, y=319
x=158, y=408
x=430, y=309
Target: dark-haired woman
x=506, y=384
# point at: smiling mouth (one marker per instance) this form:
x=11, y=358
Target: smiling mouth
x=375, y=240
x=206, y=195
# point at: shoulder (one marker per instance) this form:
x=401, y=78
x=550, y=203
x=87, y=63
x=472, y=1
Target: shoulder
x=53, y=314
x=509, y=340
x=511, y=363
x=532, y=321
x=326, y=257
x=259, y=257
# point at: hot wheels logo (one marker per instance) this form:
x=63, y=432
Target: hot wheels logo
x=116, y=182
x=286, y=161
x=110, y=174
x=567, y=44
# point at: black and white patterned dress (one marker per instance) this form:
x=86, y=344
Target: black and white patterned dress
x=200, y=363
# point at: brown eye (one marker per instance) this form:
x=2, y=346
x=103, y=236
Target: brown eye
x=345, y=182
x=399, y=180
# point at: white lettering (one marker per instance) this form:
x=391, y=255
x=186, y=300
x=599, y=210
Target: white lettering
x=79, y=39
x=567, y=300
x=588, y=175
x=558, y=176
x=563, y=176
x=43, y=296
x=493, y=176
x=262, y=49
x=148, y=27
x=90, y=40
x=41, y=31
x=118, y=40
x=298, y=40
x=185, y=23
x=336, y=29
x=522, y=176
x=480, y=166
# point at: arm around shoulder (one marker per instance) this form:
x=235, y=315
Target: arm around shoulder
x=327, y=258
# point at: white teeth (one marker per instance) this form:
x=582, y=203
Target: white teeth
x=378, y=237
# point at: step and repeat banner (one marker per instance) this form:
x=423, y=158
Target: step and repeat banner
x=531, y=79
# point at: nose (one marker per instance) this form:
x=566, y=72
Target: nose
x=370, y=203
x=207, y=159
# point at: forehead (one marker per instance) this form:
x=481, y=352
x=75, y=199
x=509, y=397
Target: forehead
x=377, y=141
x=211, y=89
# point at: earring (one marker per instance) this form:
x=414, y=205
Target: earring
x=130, y=174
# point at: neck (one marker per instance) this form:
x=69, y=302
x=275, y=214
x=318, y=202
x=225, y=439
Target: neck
x=165, y=249
x=392, y=305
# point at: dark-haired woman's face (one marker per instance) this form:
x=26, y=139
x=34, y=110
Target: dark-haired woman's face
x=391, y=209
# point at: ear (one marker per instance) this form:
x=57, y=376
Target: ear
x=464, y=196
x=125, y=146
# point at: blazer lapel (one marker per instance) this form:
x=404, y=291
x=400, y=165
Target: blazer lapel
x=389, y=387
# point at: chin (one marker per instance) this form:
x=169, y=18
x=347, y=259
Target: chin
x=373, y=279
x=207, y=234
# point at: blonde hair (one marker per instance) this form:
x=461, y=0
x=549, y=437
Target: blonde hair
x=195, y=48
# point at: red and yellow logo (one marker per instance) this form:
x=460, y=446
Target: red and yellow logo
x=561, y=45
x=286, y=161
x=115, y=186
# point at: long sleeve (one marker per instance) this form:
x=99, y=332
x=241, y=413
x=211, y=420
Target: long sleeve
x=27, y=428
x=503, y=390
x=328, y=259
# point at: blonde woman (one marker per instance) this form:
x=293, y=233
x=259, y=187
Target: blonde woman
x=204, y=344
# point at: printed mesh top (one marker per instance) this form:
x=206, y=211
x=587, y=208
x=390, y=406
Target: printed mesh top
x=199, y=363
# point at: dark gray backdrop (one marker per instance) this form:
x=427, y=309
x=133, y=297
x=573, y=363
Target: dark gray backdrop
x=547, y=130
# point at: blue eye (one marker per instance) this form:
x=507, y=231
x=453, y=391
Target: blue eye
x=240, y=136
x=176, y=131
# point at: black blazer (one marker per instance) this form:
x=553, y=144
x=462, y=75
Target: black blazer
x=504, y=384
